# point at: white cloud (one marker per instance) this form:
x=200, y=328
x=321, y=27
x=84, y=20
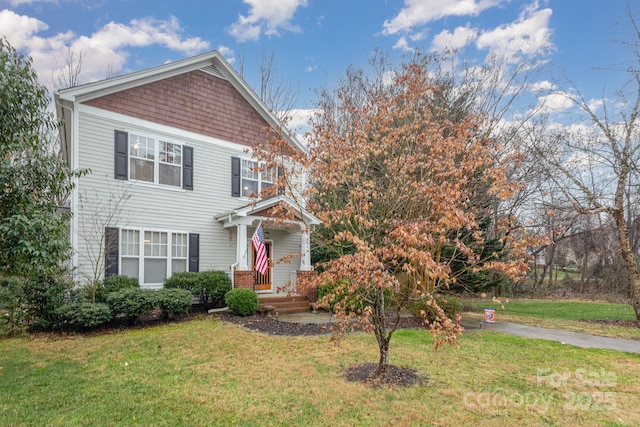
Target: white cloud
x=421, y=12
x=529, y=34
x=402, y=44
x=555, y=102
x=19, y=28
x=227, y=53
x=300, y=123
x=266, y=16
x=542, y=86
x=595, y=104
x=460, y=37
x=102, y=52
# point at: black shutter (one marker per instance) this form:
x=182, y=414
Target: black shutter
x=111, y=251
x=187, y=168
x=280, y=181
x=121, y=154
x=235, y=177
x=194, y=252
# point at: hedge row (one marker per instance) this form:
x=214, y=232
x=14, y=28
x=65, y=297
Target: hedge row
x=209, y=287
x=129, y=302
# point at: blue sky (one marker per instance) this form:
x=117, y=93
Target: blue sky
x=316, y=40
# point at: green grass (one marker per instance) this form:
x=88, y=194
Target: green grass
x=204, y=372
x=568, y=315
x=561, y=310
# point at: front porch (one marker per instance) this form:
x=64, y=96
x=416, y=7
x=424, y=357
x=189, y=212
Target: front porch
x=287, y=243
x=290, y=300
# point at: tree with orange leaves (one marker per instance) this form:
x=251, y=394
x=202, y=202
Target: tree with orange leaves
x=394, y=178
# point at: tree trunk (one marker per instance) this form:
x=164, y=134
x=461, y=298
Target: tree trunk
x=629, y=259
x=380, y=330
x=384, y=359
x=552, y=254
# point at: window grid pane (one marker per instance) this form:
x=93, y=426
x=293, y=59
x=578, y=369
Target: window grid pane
x=142, y=147
x=155, y=244
x=269, y=175
x=249, y=169
x=130, y=245
x=179, y=245
x=170, y=153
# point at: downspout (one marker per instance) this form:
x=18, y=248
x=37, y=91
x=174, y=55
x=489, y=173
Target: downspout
x=73, y=159
x=233, y=268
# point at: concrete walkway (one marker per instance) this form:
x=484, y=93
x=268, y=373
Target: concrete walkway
x=564, y=337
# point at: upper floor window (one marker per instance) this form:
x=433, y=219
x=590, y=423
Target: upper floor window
x=154, y=160
x=254, y=178
x=145, y=158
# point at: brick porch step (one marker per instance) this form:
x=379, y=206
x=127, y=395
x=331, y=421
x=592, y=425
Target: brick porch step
x=286, y=304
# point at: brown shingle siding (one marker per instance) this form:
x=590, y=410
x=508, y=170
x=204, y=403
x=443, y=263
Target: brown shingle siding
x=196, y=102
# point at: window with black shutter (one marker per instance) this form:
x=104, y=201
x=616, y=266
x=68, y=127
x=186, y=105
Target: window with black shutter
x=187, y=168
x=121, y=155
x=235, y=177
x=194, y=252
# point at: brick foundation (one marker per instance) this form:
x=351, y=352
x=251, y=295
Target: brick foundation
x=243, y=279
x=306, y=284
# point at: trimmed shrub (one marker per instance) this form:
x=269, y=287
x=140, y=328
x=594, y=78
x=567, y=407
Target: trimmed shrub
x=42, y=298
x=32, y=303
x=84, y=315
x=173, y=301
x=132, y=302
x=187, y=280
x=13, y=309
x=216, y=284
x=448, y=303
x=209, y=287
x=114, y=284
x=243, y=302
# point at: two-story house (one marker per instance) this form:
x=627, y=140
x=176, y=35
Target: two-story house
x=171, y=175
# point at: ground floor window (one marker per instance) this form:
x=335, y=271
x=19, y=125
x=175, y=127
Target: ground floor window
x=152, y=256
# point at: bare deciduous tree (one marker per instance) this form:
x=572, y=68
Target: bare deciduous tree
x=594, y=163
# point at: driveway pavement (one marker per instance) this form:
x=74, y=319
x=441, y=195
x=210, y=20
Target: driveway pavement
x=564, y=337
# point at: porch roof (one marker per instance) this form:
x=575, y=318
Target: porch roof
x=262, y=210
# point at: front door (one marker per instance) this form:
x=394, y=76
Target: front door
x=263, y=281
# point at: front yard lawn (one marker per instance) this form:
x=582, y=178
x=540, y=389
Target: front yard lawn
x=206, y=372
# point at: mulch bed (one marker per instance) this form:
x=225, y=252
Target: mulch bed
x=271, y=326
x=396, y=376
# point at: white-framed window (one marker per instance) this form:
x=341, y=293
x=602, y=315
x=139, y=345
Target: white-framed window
x=154, y=160
x=130, y=253
x=255, y=179
x=179, y=248
x=152, y=256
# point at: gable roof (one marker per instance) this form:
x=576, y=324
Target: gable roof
x=262, y=208
x=211, y=62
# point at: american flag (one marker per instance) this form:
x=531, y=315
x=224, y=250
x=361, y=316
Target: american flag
x=262, y=263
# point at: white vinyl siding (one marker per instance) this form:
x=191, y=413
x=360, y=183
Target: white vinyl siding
x=141, y=206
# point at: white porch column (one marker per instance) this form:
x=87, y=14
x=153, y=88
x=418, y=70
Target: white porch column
x=305, y=246
x=242, y=253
